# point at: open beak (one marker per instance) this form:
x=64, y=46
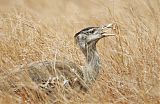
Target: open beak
x=107, y=29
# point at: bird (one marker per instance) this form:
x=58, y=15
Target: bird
x=48, y=74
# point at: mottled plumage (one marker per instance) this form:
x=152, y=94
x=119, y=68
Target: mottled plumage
x=47, y=73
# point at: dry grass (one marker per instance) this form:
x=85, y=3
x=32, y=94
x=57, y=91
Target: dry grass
x=36, y=30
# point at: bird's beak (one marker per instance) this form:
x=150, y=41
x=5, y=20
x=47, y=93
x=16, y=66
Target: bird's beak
x=106, y=35
x=107, y=30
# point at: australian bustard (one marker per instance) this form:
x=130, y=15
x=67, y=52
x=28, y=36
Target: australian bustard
x=47, y=73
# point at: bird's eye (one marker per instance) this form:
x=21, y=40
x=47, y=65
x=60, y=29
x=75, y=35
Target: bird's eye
x=91, y=31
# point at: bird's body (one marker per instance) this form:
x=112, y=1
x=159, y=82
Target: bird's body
x=67, y=73
x=48, y=73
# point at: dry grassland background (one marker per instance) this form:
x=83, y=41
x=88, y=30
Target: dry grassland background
x=37, y=30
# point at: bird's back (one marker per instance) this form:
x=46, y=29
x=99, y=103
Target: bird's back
x=49, y=74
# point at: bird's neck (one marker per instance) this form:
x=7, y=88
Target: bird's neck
x=92, y=66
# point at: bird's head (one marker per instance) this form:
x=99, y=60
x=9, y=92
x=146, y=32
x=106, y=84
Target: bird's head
x=91, y=35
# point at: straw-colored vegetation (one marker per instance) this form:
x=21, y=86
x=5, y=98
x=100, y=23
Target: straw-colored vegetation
x=37, y=30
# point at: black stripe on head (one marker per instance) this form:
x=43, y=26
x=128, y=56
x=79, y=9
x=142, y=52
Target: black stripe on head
x=83, y=30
